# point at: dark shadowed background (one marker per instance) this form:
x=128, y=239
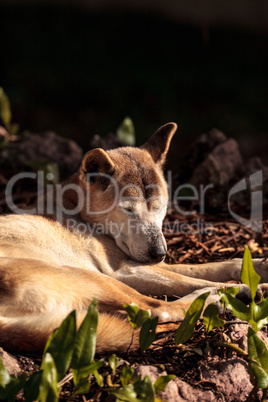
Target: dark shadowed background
x=79, y=68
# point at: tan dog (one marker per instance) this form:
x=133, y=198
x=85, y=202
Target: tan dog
x=108, y=244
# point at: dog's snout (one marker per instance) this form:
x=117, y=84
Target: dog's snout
x=157, y=254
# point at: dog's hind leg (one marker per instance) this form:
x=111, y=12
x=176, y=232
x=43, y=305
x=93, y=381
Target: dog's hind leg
x=29, y=334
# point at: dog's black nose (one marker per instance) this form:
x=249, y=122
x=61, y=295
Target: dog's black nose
x=157, y=254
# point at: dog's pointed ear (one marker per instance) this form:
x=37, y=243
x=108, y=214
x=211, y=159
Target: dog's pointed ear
x=96, y=164
x=158, y=144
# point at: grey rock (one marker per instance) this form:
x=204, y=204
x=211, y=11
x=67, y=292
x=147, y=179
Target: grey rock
x=176, y=390
x=231, y=377
x=46, y=147
x=10, y=362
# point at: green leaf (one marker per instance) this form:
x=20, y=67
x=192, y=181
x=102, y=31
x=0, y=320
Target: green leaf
x=61, y=344
x=9, y=385
x=248, y=274
x=145, y=389
x=127, y=393
x=147, y=333
x=228, y=290
x=259, y=314
x=140, y=390
x=14, y=386
x=48, y=388
x=4, y=376
x=114, y=361
x=85, y=343
x=5, y=111
x=231, y=290
x=255, y=314
x=126, y=132
x=239, y=309
x=99, y=378
x=31, y=388
x=262, y=310
x=211, y=317
x=136, y=316
x=87, y=370
x=186, y=328
x=81, y=377
x=162, y=381
x=126, y=375
x=258, y=355
x=82, y=386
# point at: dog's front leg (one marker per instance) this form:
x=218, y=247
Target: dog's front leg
x=220, y=271
x=156, y=280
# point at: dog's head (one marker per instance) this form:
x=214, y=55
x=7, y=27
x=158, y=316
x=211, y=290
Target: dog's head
x=127, y=195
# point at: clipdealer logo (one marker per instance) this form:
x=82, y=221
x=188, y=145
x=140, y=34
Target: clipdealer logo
x=256, y=207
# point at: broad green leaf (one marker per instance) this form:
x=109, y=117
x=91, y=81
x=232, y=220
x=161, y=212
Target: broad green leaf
x=5, y=111
x=10, y=385
x=82, y=386
x=259, y=314
x=186, y=328
x=162, y=381
x=255, y=314
x=48, y=388
x=99, y=378
x=145, y=389
x=4, y=376
x=61, y=344
x=31, y=388
x=147, y=333
x=248, y=274
x=114, y=361
x=127, y=393
x=262, y=310
x=231, y=290
x=228, y=290
x=85, y=343
x=258, y=355
x=211, y=317
x=14, y=387
x=126, y=375
x=136, y=316
x=87, y=370
x=239, y=309
x=126, y=132
x=140, y=390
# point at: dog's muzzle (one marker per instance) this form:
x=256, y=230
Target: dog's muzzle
x=158, y=252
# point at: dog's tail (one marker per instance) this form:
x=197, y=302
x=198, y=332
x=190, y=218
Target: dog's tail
x=29, y=334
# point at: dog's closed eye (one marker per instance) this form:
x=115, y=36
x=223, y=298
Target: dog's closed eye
x=127, y=210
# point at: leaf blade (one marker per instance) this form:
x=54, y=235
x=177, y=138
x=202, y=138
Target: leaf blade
x=147, y=333
x=85, y=342
x=61, y=344
x=248, y=274
x=211, y=317
x=258, y=355
x=186, y=328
